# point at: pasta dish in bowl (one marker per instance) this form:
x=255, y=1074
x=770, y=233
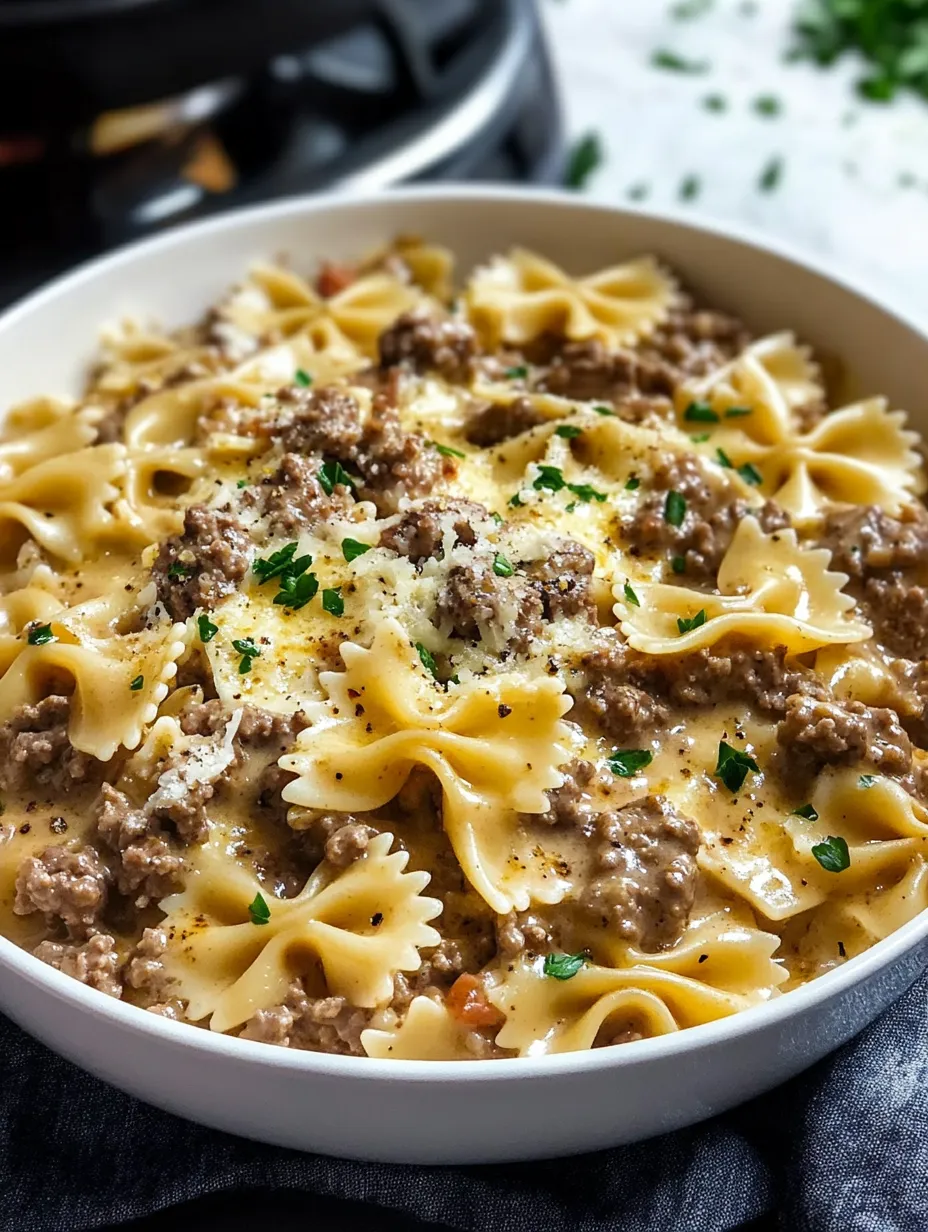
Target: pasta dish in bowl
x=419, y=661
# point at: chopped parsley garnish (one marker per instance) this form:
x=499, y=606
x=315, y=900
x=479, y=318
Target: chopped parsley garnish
x=674, y=508
x=564, y=966
x=241, y=483
x=722, y=458
x=137, y=683
x=258, y=909
x=549, y=477
x=669, y=60
x=246, y=647
x=427, y=659
x=501, y=566
x=700, y=412
x=332, y=475
x=687, y=10
x=353, y=548
x=833, y=854
x=625, y=762
x=177, y=571
x=690, y=188
x=302, y=377
x=568, y=431
x=750, y=474
x=603, y=410
x=678, y=564
x=332, y=602
x=632, y=483
x=686, y=624
x=206, y=629
x=767, y=105
x=866, y=780
x=733, y=766
x=638, y=192
x=630, y=595
x=515, y=501
x=40, y=635
x=771, y=175
x=279, y=562
x=806, y=811
x=297, y=589
x=447, y=452
x=715, y=102
x=735, y=412
x=700, y=439
x=586, y=492
x=516, y=374
x=585, y=155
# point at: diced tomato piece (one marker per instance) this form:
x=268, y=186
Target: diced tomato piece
x=334, y=278
x=467, y=1001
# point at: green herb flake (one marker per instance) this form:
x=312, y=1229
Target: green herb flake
x=750, y=474
x=700, y=412
x=178, y=571
x=332, y=602
x=258, y=910
x=518, y=373
x=806, y=811
x=563, y=966
x=626, y=762
x=302, y=378
x=447, y=452
x=733, y=766
x=678, y=564
x=241, y=483
x=603, y=410
x=586, y=492
x=690, y=188
x=550, y=478
x=501, y=566
x=674, y=508
x=686, y=624
x=137, y=684
x=673, y=63
x=771, y=175
x=245, y=646
x=833, y=854
x=585, y=155
x=737, y=412
x=515, y=501
x=427, y=659
x=632, y=483
x=206, y=629
x=723, y=459
x=40, y=635
x=296, y=590
x=715, y=102
x=638, y=192
x=866, y=780
x=767, y=105
x=689, y=10
x=630, y=595
x=332, y=475
x=568, y=432
x=700, y=439
x=353, y=548
x=267, y=567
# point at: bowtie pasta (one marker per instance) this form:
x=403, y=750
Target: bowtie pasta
x=406, y=665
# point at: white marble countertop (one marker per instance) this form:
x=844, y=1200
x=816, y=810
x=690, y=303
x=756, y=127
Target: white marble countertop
x=854, y=185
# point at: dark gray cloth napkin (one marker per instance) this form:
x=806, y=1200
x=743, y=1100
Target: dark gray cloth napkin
x=844, y=1147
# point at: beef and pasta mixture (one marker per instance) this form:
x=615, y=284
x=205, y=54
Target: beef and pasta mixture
x=410, y=662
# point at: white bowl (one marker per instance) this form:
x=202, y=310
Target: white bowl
x=461, y=1112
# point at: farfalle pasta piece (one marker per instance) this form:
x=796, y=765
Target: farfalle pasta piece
x=42, y=429
x=494, y=744
x=116, y=683
x=19, y=608
x=429, y=1032
x=150, y=487
x=362, y=927
x=545, y=1015
x=773, y=591
x=518, y=297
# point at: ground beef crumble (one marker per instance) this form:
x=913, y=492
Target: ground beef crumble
x=203, y=564
x=428, y=343
x=68, y=884
x=418, y=532
x=475, y=599
x=35, y=748
x=95, y=962
x=815, y=733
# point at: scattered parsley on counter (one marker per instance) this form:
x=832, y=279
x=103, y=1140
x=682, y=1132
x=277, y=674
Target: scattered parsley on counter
x=447, y=452
x=767, y=105
x=258, y=910
x=353, y=548
x=806, y=811
x=302, y=378
x=638, y=192
x=733, y=766
x=715, y=102
x=630, y=595
x=625, y=762
x=686, y=624
x=771, y=175
x=564, y=966
x=332, y=475
x=690, y=188
x=137, y=684
x=501, y=566
x=833, y=854
x=585, y=155
x=40, y=635
x=206, y=629
x=866, y=780
x=688, y=10
x=568, y=432
x=674, y=508
x=516, y=374
x=332, y=602
x=245, y=646
x=427, y=659
x=669, y=60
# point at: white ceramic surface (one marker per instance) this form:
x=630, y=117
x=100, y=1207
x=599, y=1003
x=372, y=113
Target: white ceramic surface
x=435, y=1112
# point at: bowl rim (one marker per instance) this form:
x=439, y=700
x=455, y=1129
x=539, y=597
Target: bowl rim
x=690, y=1040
